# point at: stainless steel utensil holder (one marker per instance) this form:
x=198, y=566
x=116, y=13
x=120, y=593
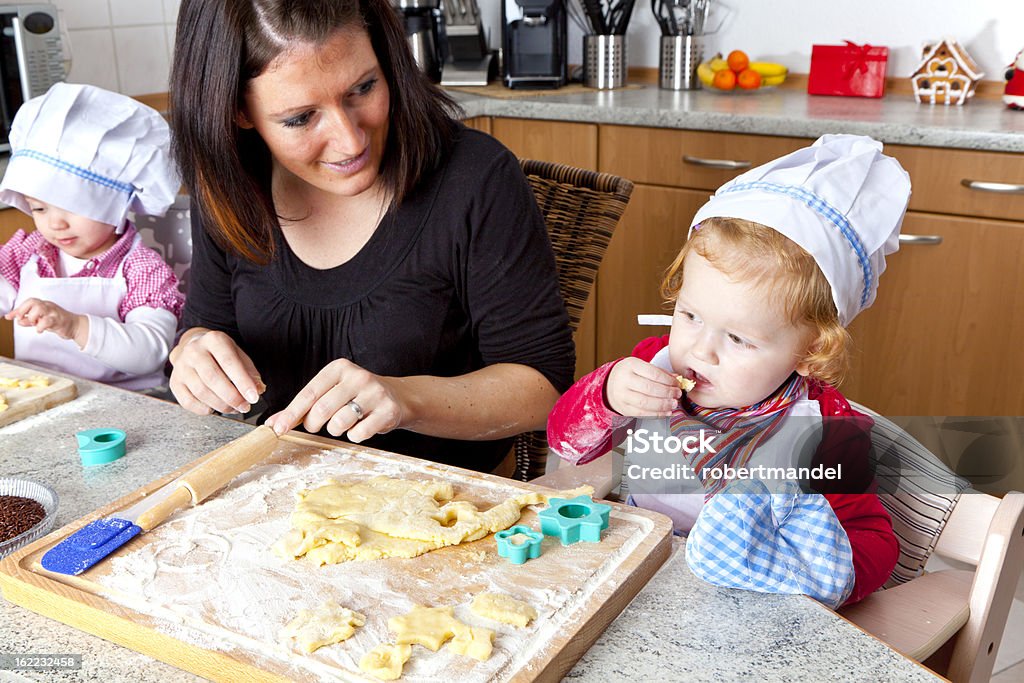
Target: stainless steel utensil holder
x=604, y=61
x=680, y=56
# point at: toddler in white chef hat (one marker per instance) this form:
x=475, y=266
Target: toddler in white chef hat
x=777, y=263
x=86, y=296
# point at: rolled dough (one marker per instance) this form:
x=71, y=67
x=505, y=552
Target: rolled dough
x=388, y=517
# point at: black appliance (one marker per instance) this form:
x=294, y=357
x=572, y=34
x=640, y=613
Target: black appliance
x=534, y=38
x=424, y=28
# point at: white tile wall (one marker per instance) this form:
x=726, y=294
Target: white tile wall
x=142, y=62
x=93, y=59
x=121, y=45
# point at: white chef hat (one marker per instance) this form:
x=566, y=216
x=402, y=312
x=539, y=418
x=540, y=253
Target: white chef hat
x=840, y=199
x=92, y=152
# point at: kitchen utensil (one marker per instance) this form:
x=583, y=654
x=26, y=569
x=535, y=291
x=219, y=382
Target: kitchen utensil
x=604, y=61
x=680, y=57
x=99, y=538
x=100, y=446
x=42, y=494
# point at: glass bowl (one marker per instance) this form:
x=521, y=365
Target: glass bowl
x=41, y=493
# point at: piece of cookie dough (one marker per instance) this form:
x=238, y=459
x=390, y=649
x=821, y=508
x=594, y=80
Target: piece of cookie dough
x=472, y=641
x=503, y=608
x=326, y=624
x=386, y=661
x=388, y=517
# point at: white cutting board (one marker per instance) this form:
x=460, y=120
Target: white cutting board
x=22, y=403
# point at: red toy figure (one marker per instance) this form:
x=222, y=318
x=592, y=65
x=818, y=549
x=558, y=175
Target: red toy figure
x=1013, y=96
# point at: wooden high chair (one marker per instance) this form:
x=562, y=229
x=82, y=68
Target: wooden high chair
x=951, y=620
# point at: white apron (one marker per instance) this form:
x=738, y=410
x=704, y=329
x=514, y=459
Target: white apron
x=98, y=296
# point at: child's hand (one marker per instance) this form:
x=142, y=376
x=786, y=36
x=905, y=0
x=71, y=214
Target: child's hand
x=47, y=316
x=639, y=389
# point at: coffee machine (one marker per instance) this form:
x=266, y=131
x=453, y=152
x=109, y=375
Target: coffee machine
x=534, y=37
x=424, y=29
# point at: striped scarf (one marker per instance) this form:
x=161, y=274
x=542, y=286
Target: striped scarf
x=741, y=431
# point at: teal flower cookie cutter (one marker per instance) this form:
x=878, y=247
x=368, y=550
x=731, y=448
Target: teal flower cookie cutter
x=575, y=519
x=518, y=553
x=100, y=446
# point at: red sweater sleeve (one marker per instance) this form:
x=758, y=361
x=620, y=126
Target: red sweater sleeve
x=580, y=425
x=874, y=544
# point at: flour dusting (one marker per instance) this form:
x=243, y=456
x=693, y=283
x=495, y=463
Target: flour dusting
x=207, y=576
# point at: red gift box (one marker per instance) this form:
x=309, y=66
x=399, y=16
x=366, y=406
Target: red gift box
x=850, y=70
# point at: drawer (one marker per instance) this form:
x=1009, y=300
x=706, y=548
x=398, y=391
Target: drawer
x=686, y=158
x=940, y=179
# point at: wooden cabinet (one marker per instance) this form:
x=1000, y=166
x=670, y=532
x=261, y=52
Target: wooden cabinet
x=574, y=144
x=11, y=220
x=943, y=337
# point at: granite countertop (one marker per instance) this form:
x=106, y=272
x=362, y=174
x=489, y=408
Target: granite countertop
x=896, y=119
x=677, y=628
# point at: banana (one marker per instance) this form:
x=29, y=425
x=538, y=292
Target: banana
x=769, y=69
x=705, y=73
x=717, y=63
x=772, y=80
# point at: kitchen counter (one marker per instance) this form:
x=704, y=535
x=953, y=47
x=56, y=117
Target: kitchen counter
x=896, y=119
x=677, y=628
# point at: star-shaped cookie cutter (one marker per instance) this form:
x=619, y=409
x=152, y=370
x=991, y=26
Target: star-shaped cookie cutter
x=518, y=553
x=575, y=519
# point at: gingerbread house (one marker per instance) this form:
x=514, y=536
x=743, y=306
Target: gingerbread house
x=946, y=74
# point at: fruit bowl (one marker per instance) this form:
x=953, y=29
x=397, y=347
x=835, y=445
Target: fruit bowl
x=42, y=494
x=738, y=74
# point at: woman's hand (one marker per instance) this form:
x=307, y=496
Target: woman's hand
x=47, y=316
x=345, y=398
x=212, y=373
x=638, y=389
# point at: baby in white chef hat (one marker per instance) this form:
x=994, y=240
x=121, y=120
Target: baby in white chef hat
x=85, y=295
x=777, y=263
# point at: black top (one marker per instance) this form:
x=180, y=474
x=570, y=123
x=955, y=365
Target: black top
x=459, y=277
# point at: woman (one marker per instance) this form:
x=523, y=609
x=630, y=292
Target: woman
x=381, y=268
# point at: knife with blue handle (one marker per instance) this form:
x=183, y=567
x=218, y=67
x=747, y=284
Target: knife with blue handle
x=99, y=538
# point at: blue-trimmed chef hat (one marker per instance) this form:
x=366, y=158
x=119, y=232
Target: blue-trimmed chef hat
x=92, y=152
x=840, y=199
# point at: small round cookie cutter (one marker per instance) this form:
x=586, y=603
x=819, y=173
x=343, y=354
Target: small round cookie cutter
x=574, y=519
x=100, y=446
x=518, y=553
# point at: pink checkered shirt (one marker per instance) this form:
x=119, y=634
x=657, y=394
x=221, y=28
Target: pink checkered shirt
x=151, y=282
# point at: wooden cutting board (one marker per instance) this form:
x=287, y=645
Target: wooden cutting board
x=203, y=591
x=22, y=403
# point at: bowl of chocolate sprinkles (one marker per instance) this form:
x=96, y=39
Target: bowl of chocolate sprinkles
x=27, y=511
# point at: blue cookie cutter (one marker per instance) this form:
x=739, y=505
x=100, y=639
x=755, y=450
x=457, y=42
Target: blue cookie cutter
x=100, y=446
x=575, y=519
x=518, y=553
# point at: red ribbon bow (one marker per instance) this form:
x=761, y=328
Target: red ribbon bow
x=858, y=57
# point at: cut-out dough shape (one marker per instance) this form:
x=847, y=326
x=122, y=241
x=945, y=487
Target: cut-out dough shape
x=385, y=661
x=472, y=641
x=430, y=627
x=385, y=517
x=503, y=608
x=326, y=624
x=32, y=382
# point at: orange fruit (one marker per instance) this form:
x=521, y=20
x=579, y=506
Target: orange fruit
x=749, y=79
x=738, y=60
x=724, y=80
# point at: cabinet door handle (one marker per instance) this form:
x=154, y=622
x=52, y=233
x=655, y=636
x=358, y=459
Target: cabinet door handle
x=728, y=164
x=923, y=240
x=985, y=186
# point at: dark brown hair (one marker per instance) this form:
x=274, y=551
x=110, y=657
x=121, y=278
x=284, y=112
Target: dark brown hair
x=221, y=45
x=750, y=251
